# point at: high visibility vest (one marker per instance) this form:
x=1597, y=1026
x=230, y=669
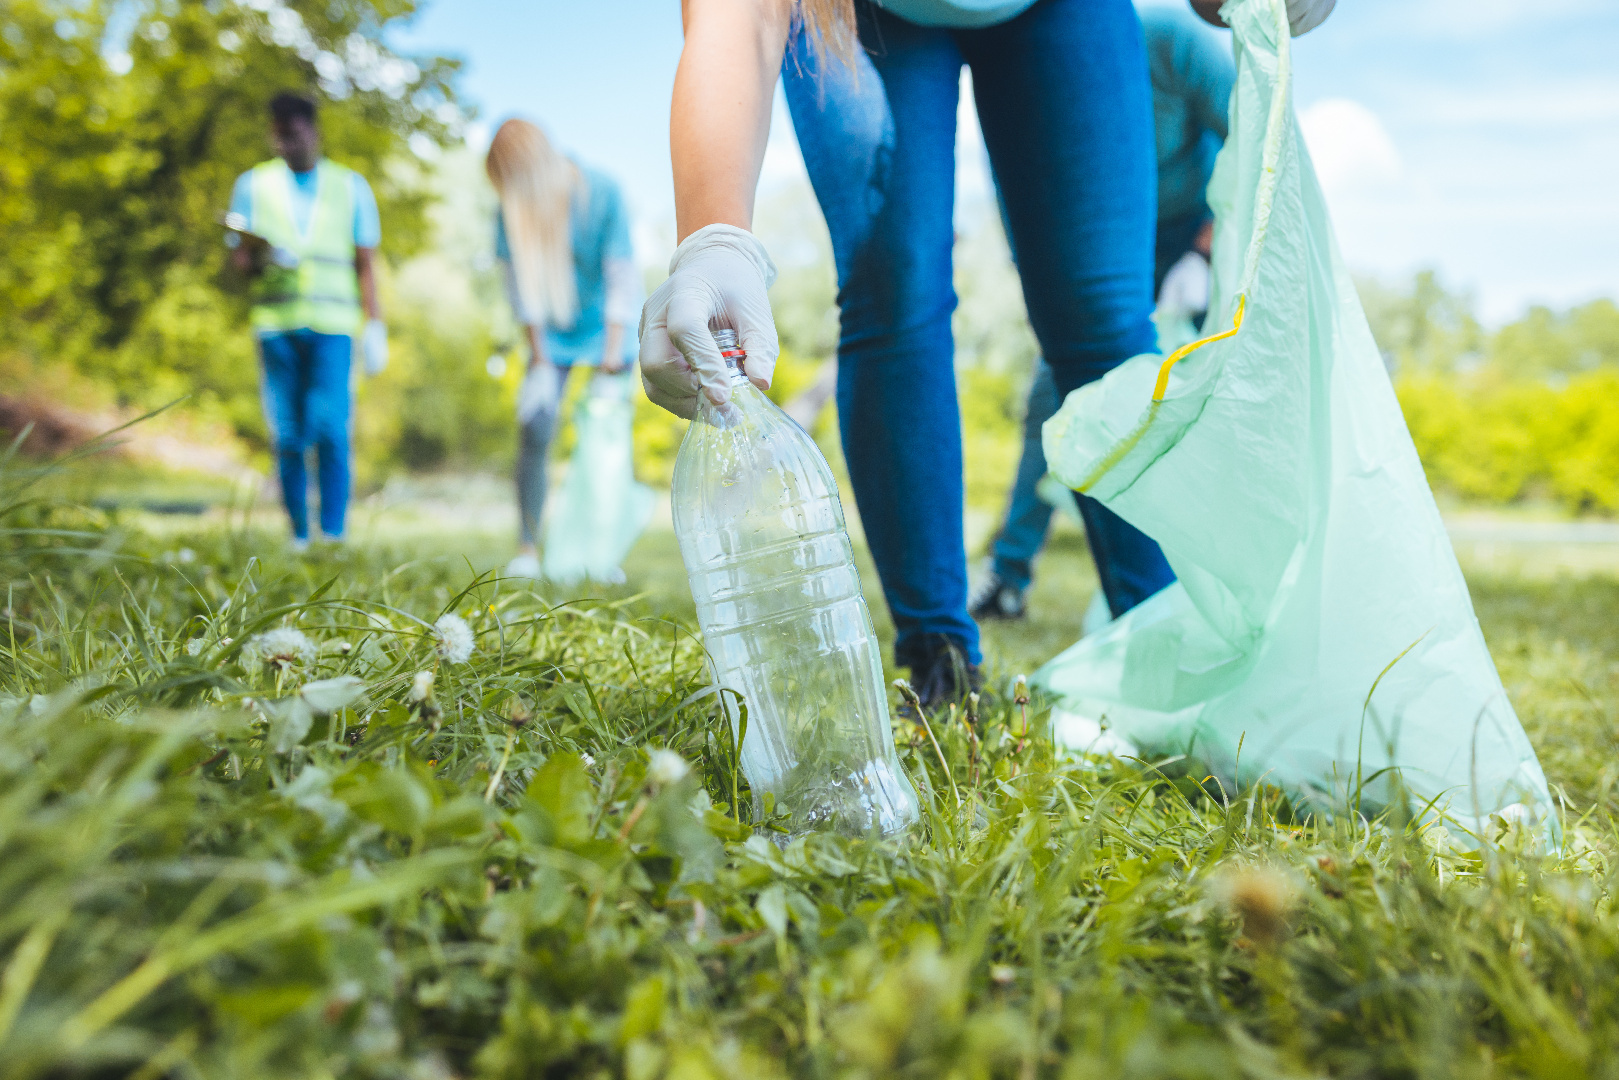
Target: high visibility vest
x=322, y=293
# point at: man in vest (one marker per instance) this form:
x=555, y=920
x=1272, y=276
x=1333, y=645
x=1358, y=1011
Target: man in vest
x=305, y=231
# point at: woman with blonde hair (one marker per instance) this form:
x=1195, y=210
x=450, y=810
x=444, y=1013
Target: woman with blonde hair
x=563, y=239
x=1065, y=103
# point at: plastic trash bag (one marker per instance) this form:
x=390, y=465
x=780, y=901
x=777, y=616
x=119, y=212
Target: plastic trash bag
x=602, y=509
x=1321, y=636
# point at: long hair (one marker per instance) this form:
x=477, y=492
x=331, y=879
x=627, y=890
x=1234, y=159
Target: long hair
x=830, y=27
x=536, y=185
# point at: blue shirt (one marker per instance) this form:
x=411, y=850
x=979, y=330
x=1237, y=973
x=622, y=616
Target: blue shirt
x=1192, y=76
x=367, y=223
x=958, y=14
x=600, y=230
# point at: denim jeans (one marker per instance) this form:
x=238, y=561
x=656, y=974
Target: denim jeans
x=1028, y=516
x=533, y=457
x=306, y=403
x=1065, y=105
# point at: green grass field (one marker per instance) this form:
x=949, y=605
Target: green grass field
x=232, y=850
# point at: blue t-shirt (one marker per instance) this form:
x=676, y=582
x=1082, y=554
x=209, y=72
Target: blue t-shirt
x=600, y=230
x=958, y=14
x=367, y=222
x=1192, y=76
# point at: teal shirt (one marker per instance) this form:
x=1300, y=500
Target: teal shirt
x=958, y=14
x=600, y=228
x=1192, y=75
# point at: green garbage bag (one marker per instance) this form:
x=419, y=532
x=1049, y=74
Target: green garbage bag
x=602, y=509
x=1320, y=635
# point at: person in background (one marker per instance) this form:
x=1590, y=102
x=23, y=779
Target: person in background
x=1192, y=73
x=563, y=239
x=305, y=231
x=1065, y=104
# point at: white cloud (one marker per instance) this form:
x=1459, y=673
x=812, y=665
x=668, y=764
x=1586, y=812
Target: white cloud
x=1350, y=147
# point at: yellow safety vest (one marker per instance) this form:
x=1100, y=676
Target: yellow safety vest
x=322, y=293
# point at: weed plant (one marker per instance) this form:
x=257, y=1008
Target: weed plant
x=346, y=816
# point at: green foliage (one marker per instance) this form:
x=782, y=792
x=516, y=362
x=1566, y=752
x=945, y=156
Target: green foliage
x=1529, y=412
x=229, y=851
x=111, y=183
x=1498, y=441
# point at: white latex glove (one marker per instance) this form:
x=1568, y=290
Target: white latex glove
x=718, y=278
x=374, y=347
x=1302, y=15
x=1305, y=15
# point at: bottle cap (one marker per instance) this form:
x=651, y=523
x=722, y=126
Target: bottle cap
x=729, y=349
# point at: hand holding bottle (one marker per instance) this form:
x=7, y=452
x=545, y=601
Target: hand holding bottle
x=719, y=276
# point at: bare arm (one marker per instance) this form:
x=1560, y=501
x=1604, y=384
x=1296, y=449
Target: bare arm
x=536, y=346
x=613, y=349
x=364, y=269
x=720, y=116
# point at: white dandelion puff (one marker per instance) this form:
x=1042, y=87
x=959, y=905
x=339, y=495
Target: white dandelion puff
x=421, y=687
x=665, y=767
x=455, y=639
x=284, y=646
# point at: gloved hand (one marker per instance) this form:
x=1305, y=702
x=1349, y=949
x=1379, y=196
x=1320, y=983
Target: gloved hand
x=1305, y=15
x=538, y=392
x=718, y=278
x=374, y=347
x=1302, y=15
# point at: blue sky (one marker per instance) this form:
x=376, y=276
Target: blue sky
x=1480, y=137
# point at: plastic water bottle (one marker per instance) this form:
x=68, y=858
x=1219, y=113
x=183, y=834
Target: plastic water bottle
x=786, y=627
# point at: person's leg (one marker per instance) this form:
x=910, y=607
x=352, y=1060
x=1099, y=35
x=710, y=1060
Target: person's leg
x=1066, y=106
x=1027, y=515
x=283, y=414
x=533, y=453
x=328, y=409
x=879, y=144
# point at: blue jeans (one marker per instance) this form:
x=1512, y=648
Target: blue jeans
x=1028, y=516
x=306, y=402
x=1065, y=104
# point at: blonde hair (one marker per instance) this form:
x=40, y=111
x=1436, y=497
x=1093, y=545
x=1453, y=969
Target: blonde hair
x=830, y=27
x=536, y=185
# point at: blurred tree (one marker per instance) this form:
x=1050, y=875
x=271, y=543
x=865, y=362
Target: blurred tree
x=125, y=123
x=1423, y=328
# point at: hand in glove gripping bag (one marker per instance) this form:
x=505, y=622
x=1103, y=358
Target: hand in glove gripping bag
x=719, y=277
x=1302, y=15
x=374, y=347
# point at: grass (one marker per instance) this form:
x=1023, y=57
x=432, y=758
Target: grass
x=227, y=855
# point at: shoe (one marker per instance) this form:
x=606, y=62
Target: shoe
x=524, y=565
x=940, y=673
x=997, y=598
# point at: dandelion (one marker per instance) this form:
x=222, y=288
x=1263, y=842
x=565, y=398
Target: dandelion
x=283, y=647
x=455, y=641
x=665, y=767
x=1259, y=896
x=421, y=687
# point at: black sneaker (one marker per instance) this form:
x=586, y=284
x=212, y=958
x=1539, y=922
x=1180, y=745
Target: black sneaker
x=997, y=599
x=940, y=673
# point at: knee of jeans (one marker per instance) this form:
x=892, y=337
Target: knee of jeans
x=890, y=300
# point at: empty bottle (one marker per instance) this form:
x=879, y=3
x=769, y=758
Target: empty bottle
x=778, y=597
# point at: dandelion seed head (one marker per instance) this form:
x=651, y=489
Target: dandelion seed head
x=455, y=640
x=665, y=767
x=285, y=646
x=421, y=687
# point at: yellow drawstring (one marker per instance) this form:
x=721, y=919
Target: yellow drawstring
x=1186, y=350
x=1128, y=443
